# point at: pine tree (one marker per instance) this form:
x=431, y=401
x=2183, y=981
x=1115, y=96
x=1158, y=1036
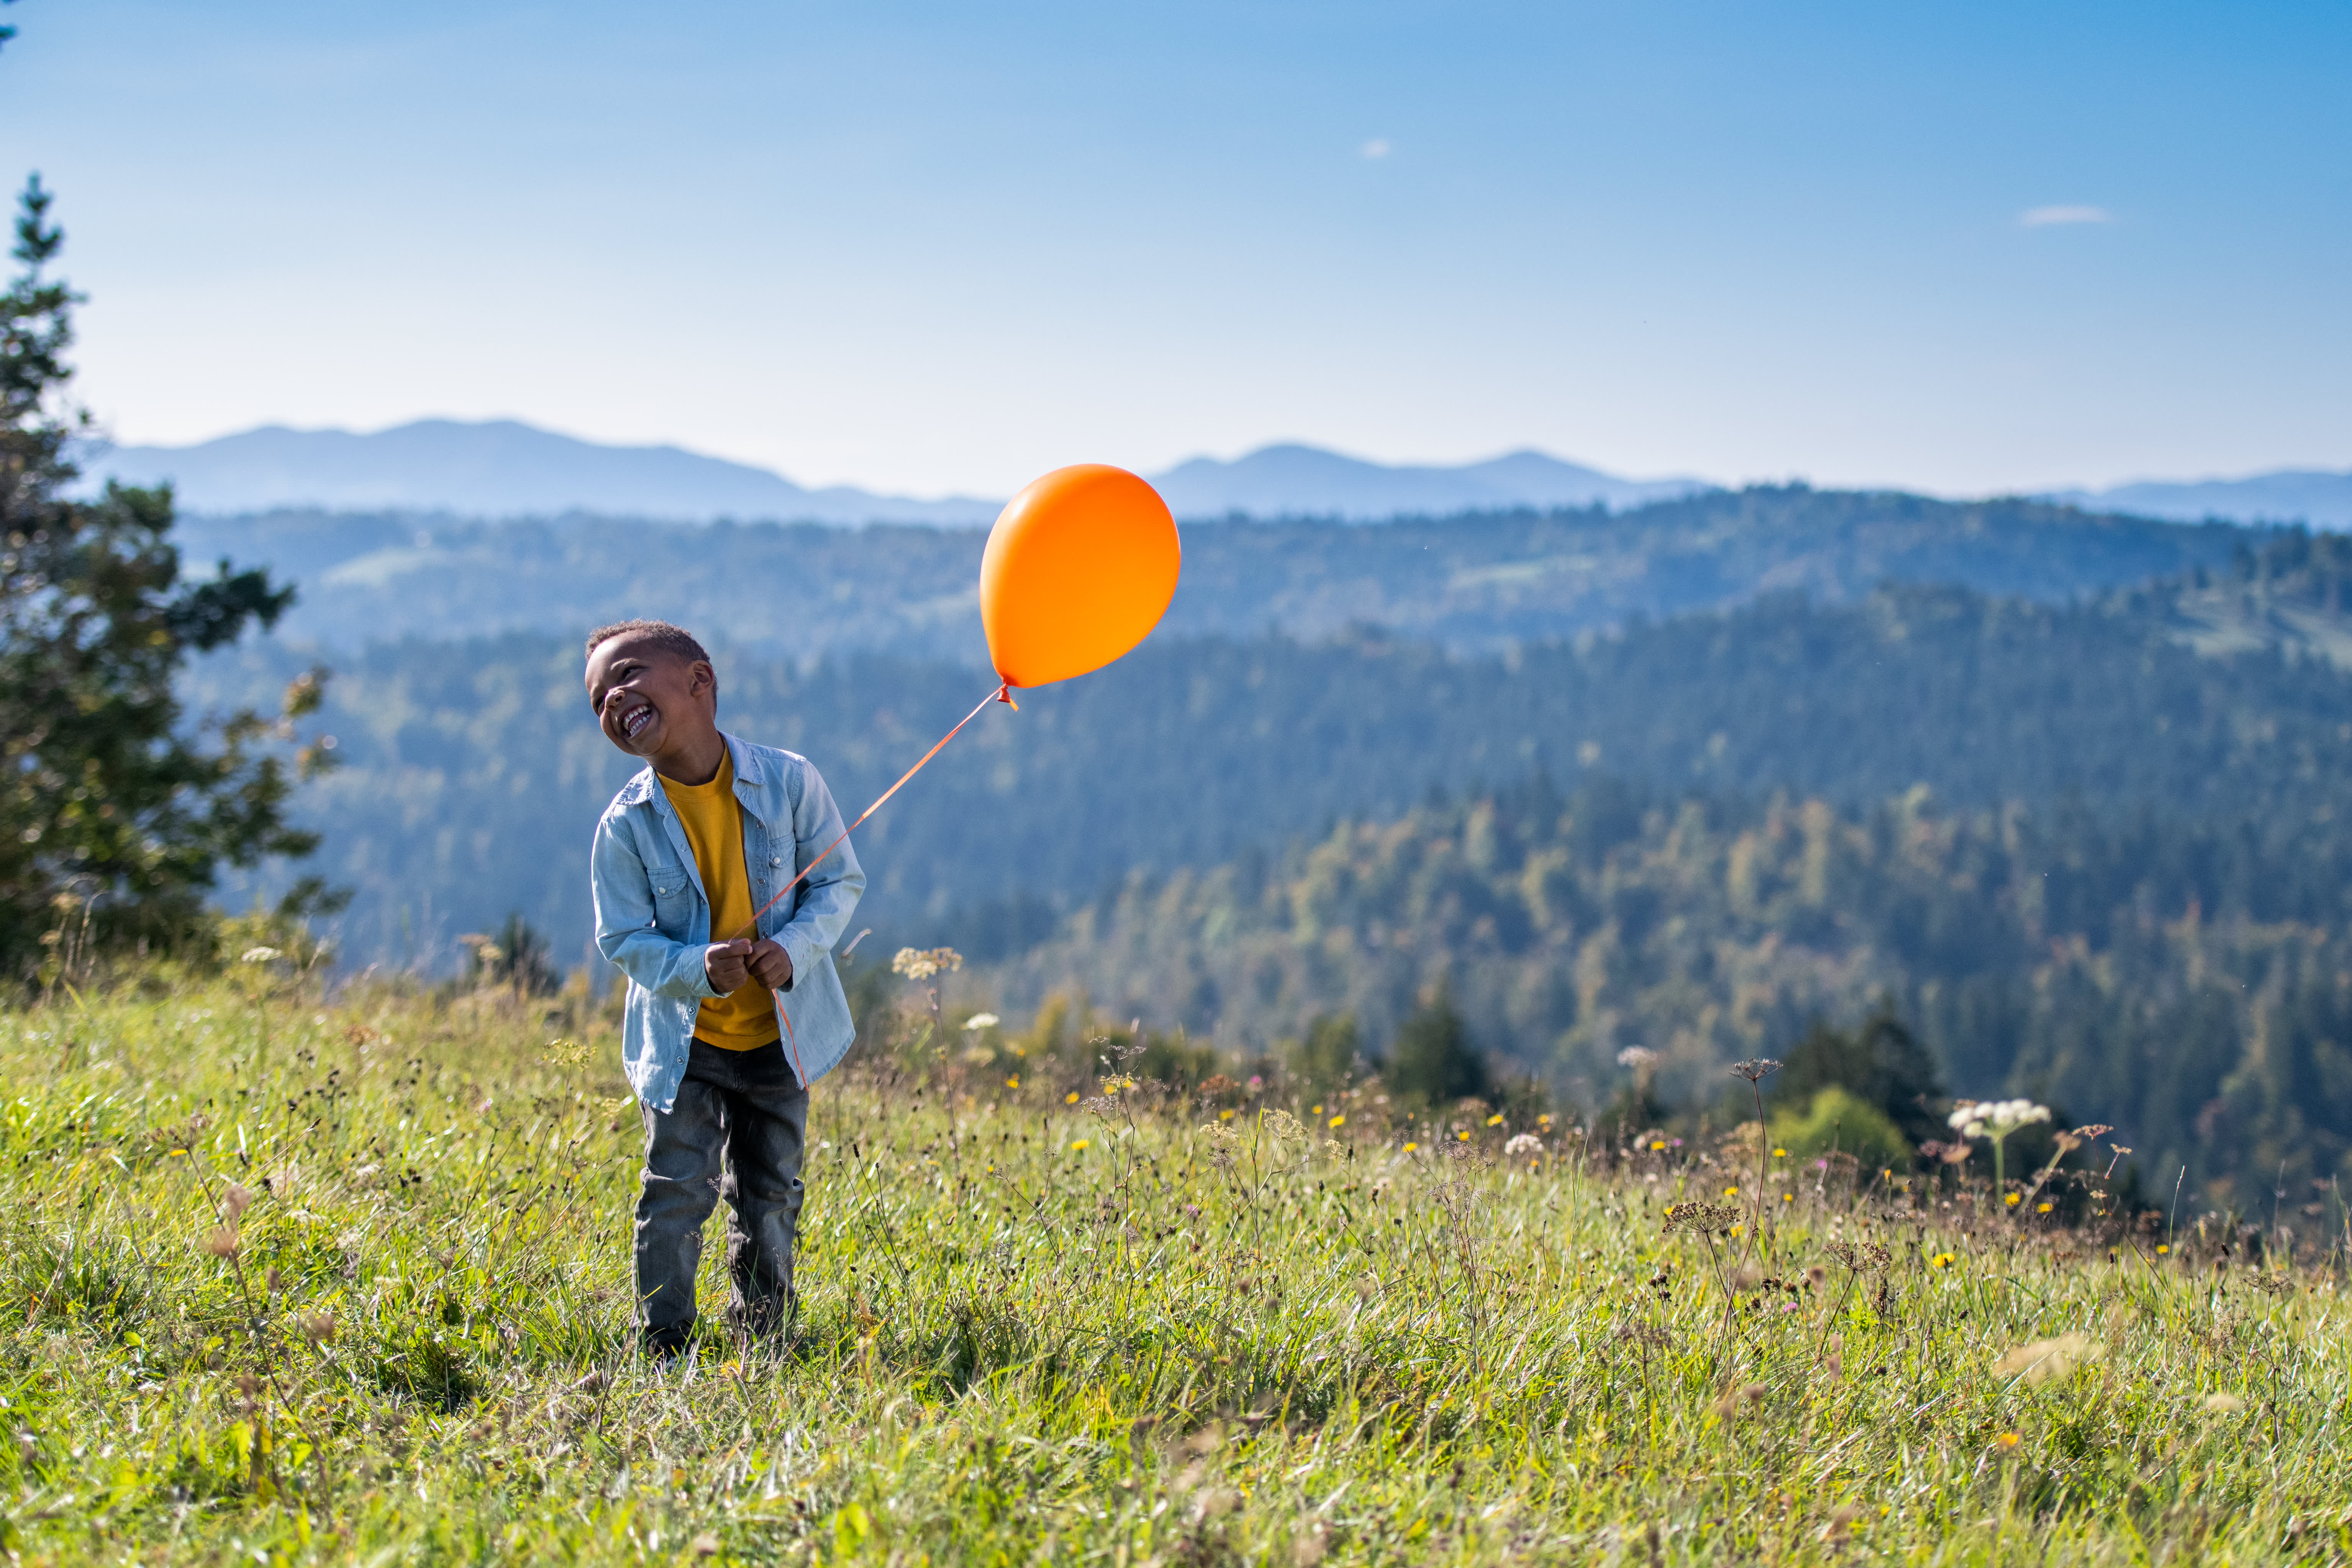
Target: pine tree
x=113, y=817
x=1432, y=1059
x=1327, y=1057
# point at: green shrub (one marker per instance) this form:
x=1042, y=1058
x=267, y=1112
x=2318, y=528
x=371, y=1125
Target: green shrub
x=1836, y=1119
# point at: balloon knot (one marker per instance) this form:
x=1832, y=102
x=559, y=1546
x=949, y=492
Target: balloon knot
x=1005, y=695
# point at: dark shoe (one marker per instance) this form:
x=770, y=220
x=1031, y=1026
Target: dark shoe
x=763, y=1318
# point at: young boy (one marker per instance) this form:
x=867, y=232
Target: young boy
x=723, y=1032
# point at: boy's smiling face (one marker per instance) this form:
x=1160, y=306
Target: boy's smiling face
x=653, y=703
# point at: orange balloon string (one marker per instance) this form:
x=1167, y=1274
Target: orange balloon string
x=1001, y=694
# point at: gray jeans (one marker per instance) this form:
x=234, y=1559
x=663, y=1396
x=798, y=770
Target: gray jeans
x=736, y=1132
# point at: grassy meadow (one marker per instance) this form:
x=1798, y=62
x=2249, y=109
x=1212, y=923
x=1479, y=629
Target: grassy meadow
x=293, y=1275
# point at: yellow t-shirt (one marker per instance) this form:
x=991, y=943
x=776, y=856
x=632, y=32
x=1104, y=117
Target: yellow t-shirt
x=713, y=820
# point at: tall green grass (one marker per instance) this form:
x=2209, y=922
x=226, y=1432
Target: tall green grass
x=290, y=1279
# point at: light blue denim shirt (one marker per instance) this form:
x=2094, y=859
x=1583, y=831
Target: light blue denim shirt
x=653, y=918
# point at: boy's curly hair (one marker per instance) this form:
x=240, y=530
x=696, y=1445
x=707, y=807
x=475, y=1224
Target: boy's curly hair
x=661, y=634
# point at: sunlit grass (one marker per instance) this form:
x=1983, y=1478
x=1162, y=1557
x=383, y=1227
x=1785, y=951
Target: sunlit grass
x=357, y=1282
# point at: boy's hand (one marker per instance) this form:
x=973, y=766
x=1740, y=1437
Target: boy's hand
x=727, y=963
x=770, y=964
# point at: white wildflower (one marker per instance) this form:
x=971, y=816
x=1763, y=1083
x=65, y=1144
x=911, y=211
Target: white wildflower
x=1995, y=1118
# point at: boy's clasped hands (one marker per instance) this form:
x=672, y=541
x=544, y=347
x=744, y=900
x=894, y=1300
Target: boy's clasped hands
x=730, y=963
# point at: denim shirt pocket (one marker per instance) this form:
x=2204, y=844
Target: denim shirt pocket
x=766, y=875
x=673, y=892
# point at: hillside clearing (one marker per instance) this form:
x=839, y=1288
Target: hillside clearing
x=294, y=1280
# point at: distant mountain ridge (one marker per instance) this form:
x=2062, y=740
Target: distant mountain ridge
x=2320, y=497
x=505, y=468
x=502, y=468
x=499, y=468
x=1293, y=480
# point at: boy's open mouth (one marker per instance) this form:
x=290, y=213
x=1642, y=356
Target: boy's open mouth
x=637, y=718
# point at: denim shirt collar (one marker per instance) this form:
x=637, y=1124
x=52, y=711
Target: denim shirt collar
x=642, y=789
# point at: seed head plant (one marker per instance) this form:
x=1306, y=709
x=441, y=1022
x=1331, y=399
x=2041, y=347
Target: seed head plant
x=922, y=963
x=1754, y=1071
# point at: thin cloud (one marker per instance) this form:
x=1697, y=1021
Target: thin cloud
x=1378, y=147
x=2042, y=218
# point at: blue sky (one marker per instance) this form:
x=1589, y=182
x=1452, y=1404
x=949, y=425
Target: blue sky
x=933, y=248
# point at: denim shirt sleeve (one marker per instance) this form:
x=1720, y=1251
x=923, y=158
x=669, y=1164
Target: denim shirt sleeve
x=626, y=933
x=830, y=895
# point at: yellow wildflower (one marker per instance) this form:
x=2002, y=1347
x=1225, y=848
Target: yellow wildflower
x=1496, y=1120
x=1341, y=1120
x=1080, y=1144
x=1071, y=1098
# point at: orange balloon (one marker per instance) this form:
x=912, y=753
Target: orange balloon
x=1079, y=568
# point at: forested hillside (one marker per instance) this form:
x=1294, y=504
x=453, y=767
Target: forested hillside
x=2185, y=984
x=1476, y=582
x=472, y=773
